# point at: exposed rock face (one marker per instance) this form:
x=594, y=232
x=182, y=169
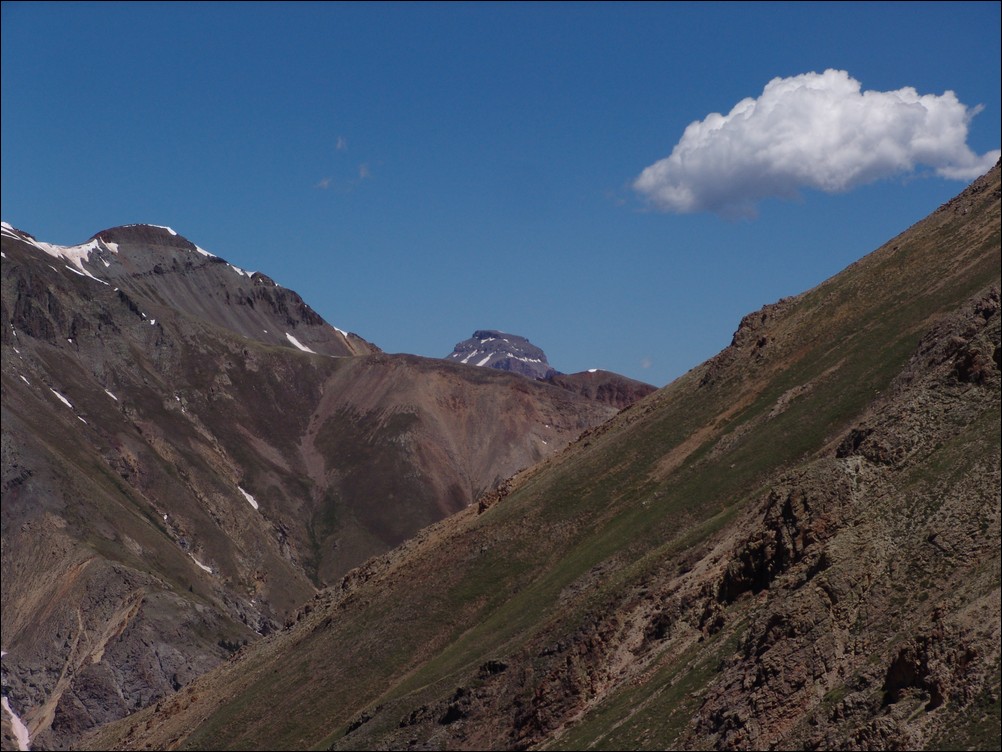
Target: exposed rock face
x=506, y=352
x=190, y=451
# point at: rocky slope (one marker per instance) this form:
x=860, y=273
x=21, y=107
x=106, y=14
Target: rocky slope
x=795, y=545
x=189, y=451
x=603, y=386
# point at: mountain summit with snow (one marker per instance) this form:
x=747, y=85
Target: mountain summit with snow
x=506, y=352
x=160, y=270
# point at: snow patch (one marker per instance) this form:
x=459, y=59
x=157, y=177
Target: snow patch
x=205, y=252
x=241, y=272
x=342, y=332
x=17, y=726
x=592, y=370
x=484, y=361
x=299, y=344
x=21, y=734
x=467, y=358
x=74, y=254
x=111, y=395
x=61, y=398
x=25, y=380
x=200, y=564
x=251, y=499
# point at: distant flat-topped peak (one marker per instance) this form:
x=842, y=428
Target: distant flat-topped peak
x=142, y=234
x=508, y=352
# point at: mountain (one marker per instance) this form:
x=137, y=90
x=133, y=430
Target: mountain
x=158, y=267
x=510, y=352
x=189, y=452
x=507, y=352
x=794, y=545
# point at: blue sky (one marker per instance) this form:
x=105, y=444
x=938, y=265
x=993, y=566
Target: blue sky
x=419, y=171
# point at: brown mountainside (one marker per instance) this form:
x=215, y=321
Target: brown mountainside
x=795, y=545
x=179, y=475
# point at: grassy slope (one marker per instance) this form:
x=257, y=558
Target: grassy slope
x=645, y=495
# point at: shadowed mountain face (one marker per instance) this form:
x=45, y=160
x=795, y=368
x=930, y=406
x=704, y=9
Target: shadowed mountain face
x=507, y=352
x=795, y=545
x=190, y=451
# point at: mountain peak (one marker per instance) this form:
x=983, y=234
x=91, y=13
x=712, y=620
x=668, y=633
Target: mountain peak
x=507, y=352
x=155, y=235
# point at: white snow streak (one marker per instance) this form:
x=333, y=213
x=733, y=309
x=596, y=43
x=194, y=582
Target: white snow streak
x=21, y=734
x=240, y=271
x=61, y=398
x=524, y=360
x=251, y=499
x=74, y=254
x=111, y=395
x=299, y=344
x=18, y=727
x=467, y=358
x=200, y=564
x=25, y=380
x=484, y=361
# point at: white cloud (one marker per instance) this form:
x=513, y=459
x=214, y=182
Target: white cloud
x=342, y=143
x=324, y=184
x=815, y=130
x=364, y=173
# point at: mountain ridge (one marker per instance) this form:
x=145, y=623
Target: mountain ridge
x=179, y=475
